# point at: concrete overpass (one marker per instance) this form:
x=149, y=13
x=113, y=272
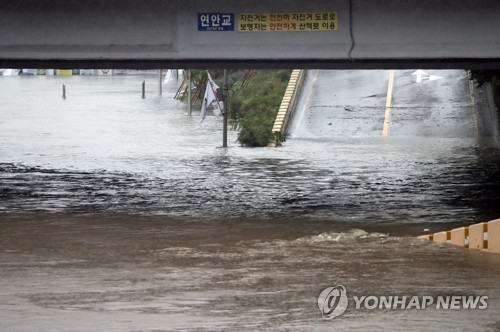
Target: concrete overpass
x=250, y=33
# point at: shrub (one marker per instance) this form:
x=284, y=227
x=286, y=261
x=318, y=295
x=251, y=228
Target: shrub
x=256, y=129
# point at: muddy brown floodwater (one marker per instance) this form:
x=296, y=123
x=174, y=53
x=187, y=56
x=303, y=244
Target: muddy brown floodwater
x=127, y=273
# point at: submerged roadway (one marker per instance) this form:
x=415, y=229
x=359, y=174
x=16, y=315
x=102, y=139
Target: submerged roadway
x=376, y=103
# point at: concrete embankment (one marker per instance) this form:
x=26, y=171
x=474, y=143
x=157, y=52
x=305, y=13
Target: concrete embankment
x=288, y=103
x=483, y=236
x=485, y=111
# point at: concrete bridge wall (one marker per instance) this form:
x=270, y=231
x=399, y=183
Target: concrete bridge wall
x=160, y=33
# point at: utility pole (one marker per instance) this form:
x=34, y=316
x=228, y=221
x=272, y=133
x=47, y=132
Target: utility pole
x=189, y=90
x=226, y=111
x=160, y=82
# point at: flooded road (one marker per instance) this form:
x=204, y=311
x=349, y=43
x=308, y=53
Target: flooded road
x=123, y=214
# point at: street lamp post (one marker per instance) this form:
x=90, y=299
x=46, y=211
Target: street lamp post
x=226, y=111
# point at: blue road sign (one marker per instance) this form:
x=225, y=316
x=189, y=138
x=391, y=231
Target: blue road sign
x=216, y=22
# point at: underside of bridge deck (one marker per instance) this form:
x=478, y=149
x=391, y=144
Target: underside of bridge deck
x=250, y=33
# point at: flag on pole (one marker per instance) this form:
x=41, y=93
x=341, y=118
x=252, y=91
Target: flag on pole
x=169, y=75
x=211, y=98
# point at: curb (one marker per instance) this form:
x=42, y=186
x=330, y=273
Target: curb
x=288, y=103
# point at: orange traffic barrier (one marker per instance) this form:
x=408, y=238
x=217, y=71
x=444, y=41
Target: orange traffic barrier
x=477, y=238
x=483, y=236
x=494, y=236
x=460, y=236
x=441, y=237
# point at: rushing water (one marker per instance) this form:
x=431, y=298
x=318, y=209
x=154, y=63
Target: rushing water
x=106, y=150
x=127, y=208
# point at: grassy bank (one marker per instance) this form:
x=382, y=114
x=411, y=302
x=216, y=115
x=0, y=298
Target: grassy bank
x=253, y=107
x=254, y=100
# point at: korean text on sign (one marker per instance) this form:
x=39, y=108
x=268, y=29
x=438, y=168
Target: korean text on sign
x=286, y=22
x=216, y=22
